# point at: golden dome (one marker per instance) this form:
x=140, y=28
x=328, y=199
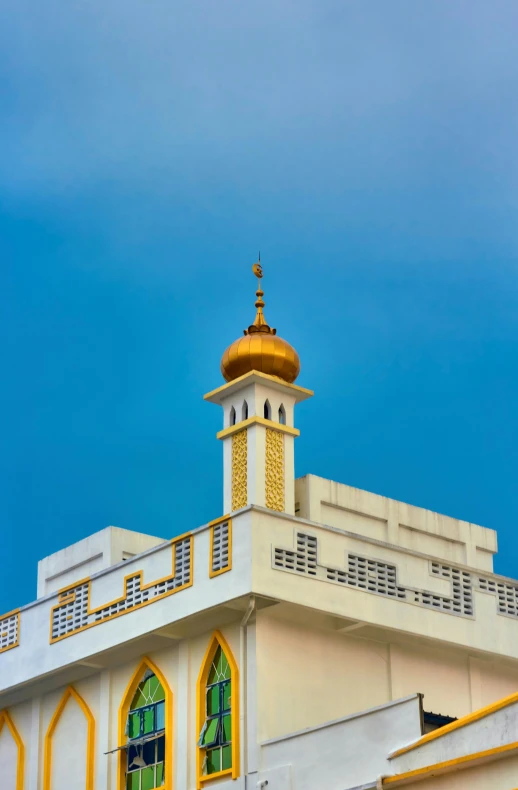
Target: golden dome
x=261, y=348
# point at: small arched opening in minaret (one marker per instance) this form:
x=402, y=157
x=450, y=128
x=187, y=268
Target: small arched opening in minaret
x=282, y=415
x=232, y=417
x=244, y=411
x=267, y=410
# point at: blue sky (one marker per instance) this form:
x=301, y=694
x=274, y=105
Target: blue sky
x=148, y=150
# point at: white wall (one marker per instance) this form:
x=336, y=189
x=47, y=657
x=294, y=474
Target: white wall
x=414, y=528
x=86, y=557
x=341, y=754
x=69, y=751
x=8, y=759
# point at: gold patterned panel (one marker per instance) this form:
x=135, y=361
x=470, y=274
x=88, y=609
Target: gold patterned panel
x=239, y=470
x=274, y=473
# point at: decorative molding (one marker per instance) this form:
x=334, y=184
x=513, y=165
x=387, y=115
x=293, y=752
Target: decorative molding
x=253, y=377
x=220, y=555
x=240, y=469
x=20, y=747
x=70, y=692
x=274, y=470
x=9, y=630
x=268, y=424
x=381, y=578
x=73, y=614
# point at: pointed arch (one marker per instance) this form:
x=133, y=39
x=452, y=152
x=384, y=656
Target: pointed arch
x=217, y=641
x=70, y=693
x=267, y=410
x=282, y=414
x=20, y=767
x=244, y=411
x=232, y=416
x=124, y=708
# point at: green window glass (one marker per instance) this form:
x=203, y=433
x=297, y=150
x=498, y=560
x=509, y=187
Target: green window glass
x=146, y=737
x=216, y=735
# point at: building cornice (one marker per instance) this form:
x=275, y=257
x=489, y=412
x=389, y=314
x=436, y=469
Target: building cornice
x=240, y=426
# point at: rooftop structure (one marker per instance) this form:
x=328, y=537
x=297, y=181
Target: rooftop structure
x=312, y=635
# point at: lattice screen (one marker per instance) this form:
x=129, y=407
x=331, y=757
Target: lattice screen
x=72, y=611
x=381, y=578
x=9, y=630
x=220, y=559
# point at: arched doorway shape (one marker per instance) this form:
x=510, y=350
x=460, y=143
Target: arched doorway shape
x=70, y=693
x=6, y=720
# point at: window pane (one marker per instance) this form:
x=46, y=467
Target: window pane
x=211, y=733
x=159, y=692
x=212, y=700
x=134, y=725
x=152, y=688
x=133, y=781
x=227, y=729
x=214, y=670
x=160, y=716
x=214, y=761
x=132, y=753
x=149, y=720
x=226, y=695
x=160, y=775
x=160, y=749
x=227, y=757
x=148, y=778
x=141, y=695
x=149, y=752
x=225, y=668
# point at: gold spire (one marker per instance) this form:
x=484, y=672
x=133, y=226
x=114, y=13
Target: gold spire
x=261, y=349
x=259, y=324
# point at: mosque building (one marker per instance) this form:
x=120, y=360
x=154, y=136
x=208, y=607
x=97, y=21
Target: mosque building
x=314, y=637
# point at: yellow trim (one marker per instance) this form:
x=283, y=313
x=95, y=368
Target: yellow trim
x=63, y=590
x=69, y=599
x=124, y=707
x=3, y=617
x=227, y=567
x=265, y=376
x=455, y=725
x=239, y=426
x=90, y=743
x=20, y=762
x=218, y=640
x=458, y=763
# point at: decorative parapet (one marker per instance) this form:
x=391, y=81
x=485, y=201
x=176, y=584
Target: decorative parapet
x=9, y=630
x=381, y=578
x=220, y=547
x=73, y=613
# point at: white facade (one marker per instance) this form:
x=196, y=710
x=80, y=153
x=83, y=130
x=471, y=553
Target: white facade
x=348, y=617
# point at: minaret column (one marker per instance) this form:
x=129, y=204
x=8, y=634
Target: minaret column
x=258, y=416
x=258, y=441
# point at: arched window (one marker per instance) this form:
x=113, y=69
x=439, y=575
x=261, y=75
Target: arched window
x=232, y=418
x=267, y=410
x=144, y=715
x=244, y=415
x=218, y=714
x=282, y=415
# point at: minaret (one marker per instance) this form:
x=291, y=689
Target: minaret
x=258, y=416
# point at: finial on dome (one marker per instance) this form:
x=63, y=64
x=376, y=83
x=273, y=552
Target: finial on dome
x=261, y=349
x=259, y=324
